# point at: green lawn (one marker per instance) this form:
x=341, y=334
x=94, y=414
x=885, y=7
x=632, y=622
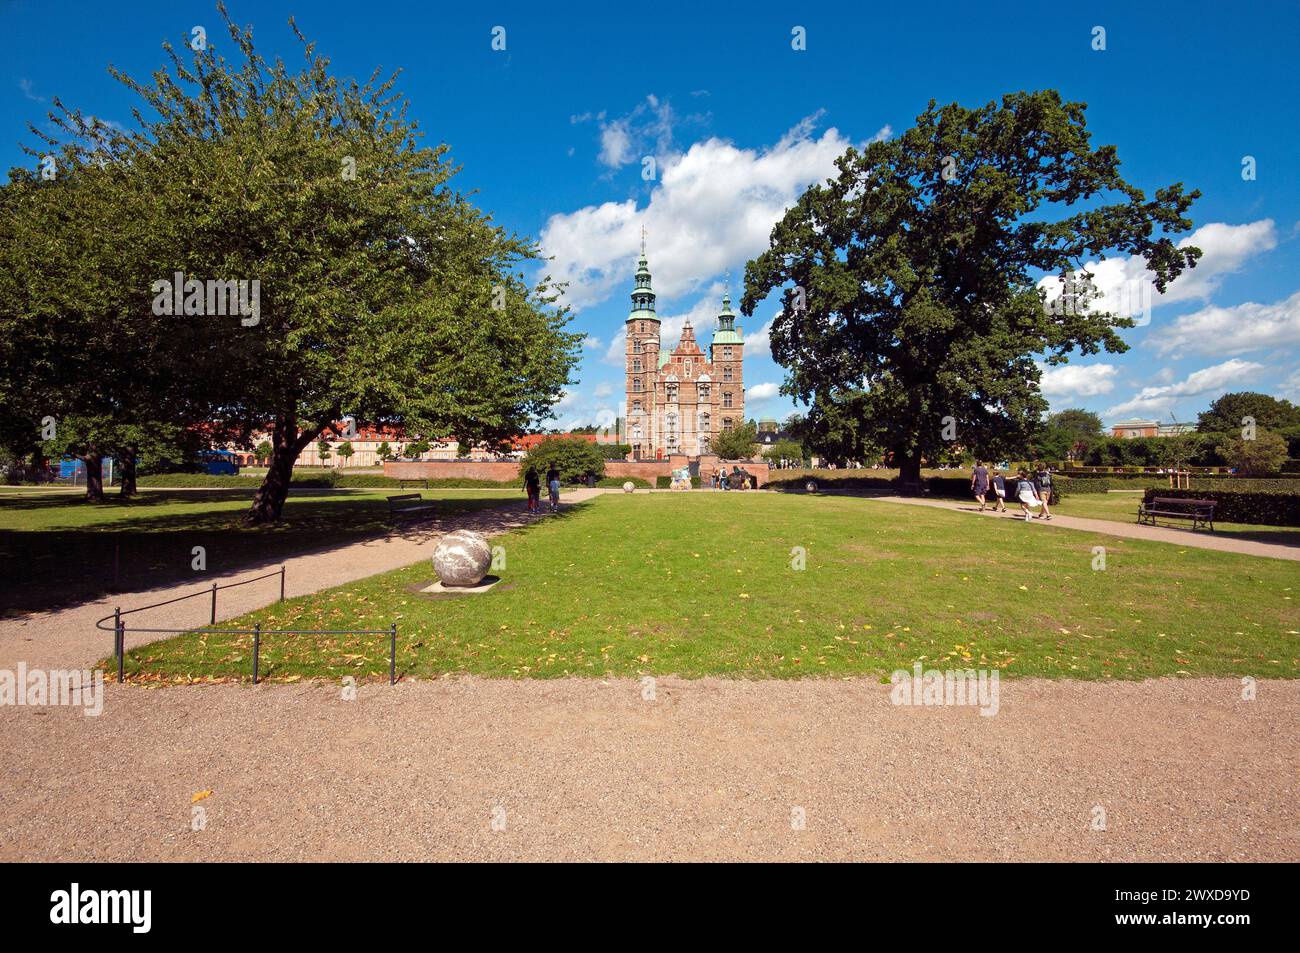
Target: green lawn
x=56, y=548
x=701, y=584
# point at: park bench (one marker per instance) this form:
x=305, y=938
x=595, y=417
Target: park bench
x=1200, y=512
x=420, y=482
x=409, y=504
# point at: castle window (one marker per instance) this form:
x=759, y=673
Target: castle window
x=672, y=392
x=726, y=423
x=726, y=353
x=636, y=383
x=636, y=346
x=636, y=364
x=704, y=423
x=726, y=398
x=636, y=406
x=726, y=373
x=704, y=391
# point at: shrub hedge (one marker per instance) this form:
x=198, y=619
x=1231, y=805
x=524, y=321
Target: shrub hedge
x=1260, y=509
x=638, y=482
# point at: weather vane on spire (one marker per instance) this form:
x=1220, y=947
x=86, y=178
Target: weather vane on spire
x=642, y=241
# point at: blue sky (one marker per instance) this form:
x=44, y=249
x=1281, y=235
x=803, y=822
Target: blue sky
x=553, y=133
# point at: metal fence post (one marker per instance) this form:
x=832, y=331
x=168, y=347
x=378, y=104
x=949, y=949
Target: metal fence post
x=214, y=604
x=117, y=624
x=392, y=654
x=257, y=648
x=282, y=584
x=121, y=649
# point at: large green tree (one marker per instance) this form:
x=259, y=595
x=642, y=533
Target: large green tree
x=1228, y=413
x=912, y=275
x=320, y=190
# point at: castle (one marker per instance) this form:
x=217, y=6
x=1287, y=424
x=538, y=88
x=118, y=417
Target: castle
x=678, y=401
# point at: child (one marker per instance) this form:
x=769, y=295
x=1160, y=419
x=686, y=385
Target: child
x=1000, y=491
x=1025, y=494
x=553, y=484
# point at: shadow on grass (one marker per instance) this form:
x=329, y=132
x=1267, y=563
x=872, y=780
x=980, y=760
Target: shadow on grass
x=50, y=568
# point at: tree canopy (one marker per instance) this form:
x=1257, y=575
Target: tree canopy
x=912, y=275
x=381, y=292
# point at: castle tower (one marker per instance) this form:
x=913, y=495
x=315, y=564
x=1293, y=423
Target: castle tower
x=642, y=363
x=726, y=354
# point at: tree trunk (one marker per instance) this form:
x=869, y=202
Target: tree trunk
x=128, y=461
x=909, y=470
x=287, y=441
x=94, y=464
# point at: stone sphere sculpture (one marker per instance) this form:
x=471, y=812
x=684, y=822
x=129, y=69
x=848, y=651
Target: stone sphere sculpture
x=629, y=486
x=462, y=558
x=810, y=487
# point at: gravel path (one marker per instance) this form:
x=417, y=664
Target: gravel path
x=67, y=638
x=710, y=769
x=1134, y=530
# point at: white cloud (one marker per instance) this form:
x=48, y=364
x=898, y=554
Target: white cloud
x=1216, y=381
x=591, y=342
x=615, y=144
x=1290, y=388
x=759, y=343
x=603, y=389
x=761, y=392
x=26, y=86
x=712, y=209
x=1233, y=330
x=1125, y=283
x=1078, y=380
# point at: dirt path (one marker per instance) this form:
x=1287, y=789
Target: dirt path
x=67, y=638
x=711, y=769
x=1158, y=534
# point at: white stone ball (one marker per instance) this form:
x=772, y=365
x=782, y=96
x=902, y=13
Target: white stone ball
x=462, y=558
x=629, y=486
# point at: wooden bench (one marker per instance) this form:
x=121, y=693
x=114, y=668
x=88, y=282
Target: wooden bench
x=409, y=504
x=420, y=482
x=1200, y=512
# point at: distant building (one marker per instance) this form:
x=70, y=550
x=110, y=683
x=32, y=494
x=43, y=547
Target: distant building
x=680, y=399
x=1149, y=428
x=1135, y=428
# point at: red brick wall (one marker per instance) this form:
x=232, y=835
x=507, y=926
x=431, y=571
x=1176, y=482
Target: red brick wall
x=453, y=470
x=509, y=470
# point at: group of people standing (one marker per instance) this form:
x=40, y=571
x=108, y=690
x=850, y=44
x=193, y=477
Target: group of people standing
x=1031, y=492
x=533, y=484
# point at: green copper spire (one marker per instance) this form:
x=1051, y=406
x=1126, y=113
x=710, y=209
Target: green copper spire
x=726, y=332
x=643, y=296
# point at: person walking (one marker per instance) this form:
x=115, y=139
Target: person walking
x=1026, y=494
x=553, y=484
x=533, y=485
x=999, y=490
x=723, y=478
x=1043, y=486
x=979, y=483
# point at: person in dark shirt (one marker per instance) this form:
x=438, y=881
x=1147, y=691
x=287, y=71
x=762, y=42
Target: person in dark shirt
x=533, y=485
x=1043, y=486
x=979, y=483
